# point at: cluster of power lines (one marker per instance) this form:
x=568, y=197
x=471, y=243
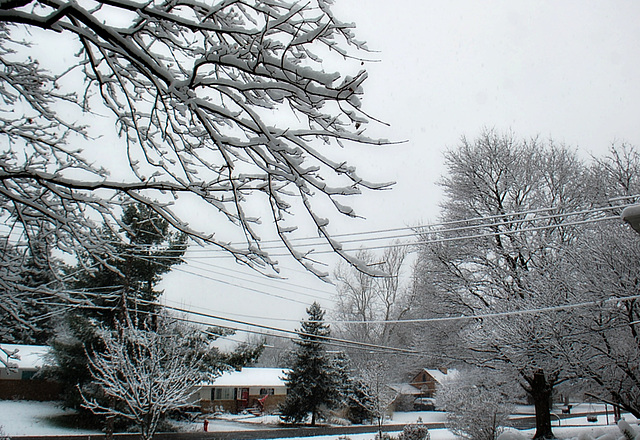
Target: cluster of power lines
x=464, y=229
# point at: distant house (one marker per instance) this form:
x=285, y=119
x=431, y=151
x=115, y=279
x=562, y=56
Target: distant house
x=20, y=379
x=427, y=380
x=420, y=391
x=236, y=391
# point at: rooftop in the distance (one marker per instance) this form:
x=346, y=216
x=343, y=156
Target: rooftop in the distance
x=30, y=356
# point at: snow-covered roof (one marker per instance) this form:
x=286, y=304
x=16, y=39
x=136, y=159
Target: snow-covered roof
x=437, y=375
x=30, y=356
x=251, y=377
x=404, y=388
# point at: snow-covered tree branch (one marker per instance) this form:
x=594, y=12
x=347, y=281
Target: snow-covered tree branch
x=146, y=373
x=223, y=108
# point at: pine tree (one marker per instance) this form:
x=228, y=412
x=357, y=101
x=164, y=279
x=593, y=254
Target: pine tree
x=310, y=382
x=355, y=394
x=152, y=249
x=115, y=288
x=32, y=287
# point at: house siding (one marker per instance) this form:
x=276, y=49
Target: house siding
x=236, y=391
x=32, y=389
x=208, y=403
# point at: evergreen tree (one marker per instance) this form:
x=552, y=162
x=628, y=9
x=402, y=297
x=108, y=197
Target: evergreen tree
x=355, y=394
x=137, y=267
x=29, y=293
x=114, y=288
x=310, y=382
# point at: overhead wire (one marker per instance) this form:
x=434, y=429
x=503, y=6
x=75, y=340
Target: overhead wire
x=464, y=226
x=281, y=330
x=263, y=278
x=463, y=237
x=411, y=230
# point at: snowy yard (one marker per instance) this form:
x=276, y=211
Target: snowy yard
x=34, y=418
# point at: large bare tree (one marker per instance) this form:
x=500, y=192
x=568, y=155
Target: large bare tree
x=604, y=341
x=371, y=301
x=515, y=204
x=370, y=306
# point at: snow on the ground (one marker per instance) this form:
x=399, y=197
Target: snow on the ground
x=27, y=417
x=32, y=418
x=412, y=417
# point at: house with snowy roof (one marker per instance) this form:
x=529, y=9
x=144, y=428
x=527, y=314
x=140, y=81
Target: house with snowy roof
x=251, y=389
x=427, y=381
x=19, y=365
x=420, y=391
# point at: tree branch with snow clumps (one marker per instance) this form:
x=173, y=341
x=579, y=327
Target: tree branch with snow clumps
x=223, y=109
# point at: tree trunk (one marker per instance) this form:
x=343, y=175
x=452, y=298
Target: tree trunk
x=540, y=392
x=313, y=418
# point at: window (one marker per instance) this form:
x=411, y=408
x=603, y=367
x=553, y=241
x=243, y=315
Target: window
x=26, y=375
x=265, y=391
x=224, y=394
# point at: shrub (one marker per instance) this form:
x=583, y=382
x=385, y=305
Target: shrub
x=383, y=436
x=415, y=431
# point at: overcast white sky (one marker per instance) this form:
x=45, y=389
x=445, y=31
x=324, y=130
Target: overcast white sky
x=562, y=69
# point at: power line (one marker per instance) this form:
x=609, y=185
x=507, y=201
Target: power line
x=441, y=226
x=530, y=311
x=437, y=228
x=262, y=277
x=281, y=330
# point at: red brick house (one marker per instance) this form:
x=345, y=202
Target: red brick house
x=236, y=391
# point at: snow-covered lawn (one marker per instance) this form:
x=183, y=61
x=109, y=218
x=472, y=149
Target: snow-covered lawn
x=34, y=418
x=19, y=417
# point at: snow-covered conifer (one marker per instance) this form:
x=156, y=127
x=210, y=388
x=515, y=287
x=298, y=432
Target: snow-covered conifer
x=310, y=382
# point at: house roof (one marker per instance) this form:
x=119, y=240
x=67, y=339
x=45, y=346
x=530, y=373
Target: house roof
x=30, y=356
x=251, y=377
x=437, y=375
x=404, y=389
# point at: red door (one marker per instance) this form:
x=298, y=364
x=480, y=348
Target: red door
x=244, y=398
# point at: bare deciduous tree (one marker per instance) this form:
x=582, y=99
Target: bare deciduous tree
x=371, y=307
x=371, y=301
x=228, y=124
x=146, y=373
x=604, y=344
x=509, y=197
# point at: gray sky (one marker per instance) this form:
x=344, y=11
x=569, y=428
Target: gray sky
x=561, y=69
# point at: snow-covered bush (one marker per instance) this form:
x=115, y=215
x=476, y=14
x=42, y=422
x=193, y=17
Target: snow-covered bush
x=383, y=436
x=415, y=431
x=3, y=435
x=476, y=405
x=626, y=433
x=146, y=373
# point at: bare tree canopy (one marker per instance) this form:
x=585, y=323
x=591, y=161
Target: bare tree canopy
x=224, y=110
x=510, y=264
